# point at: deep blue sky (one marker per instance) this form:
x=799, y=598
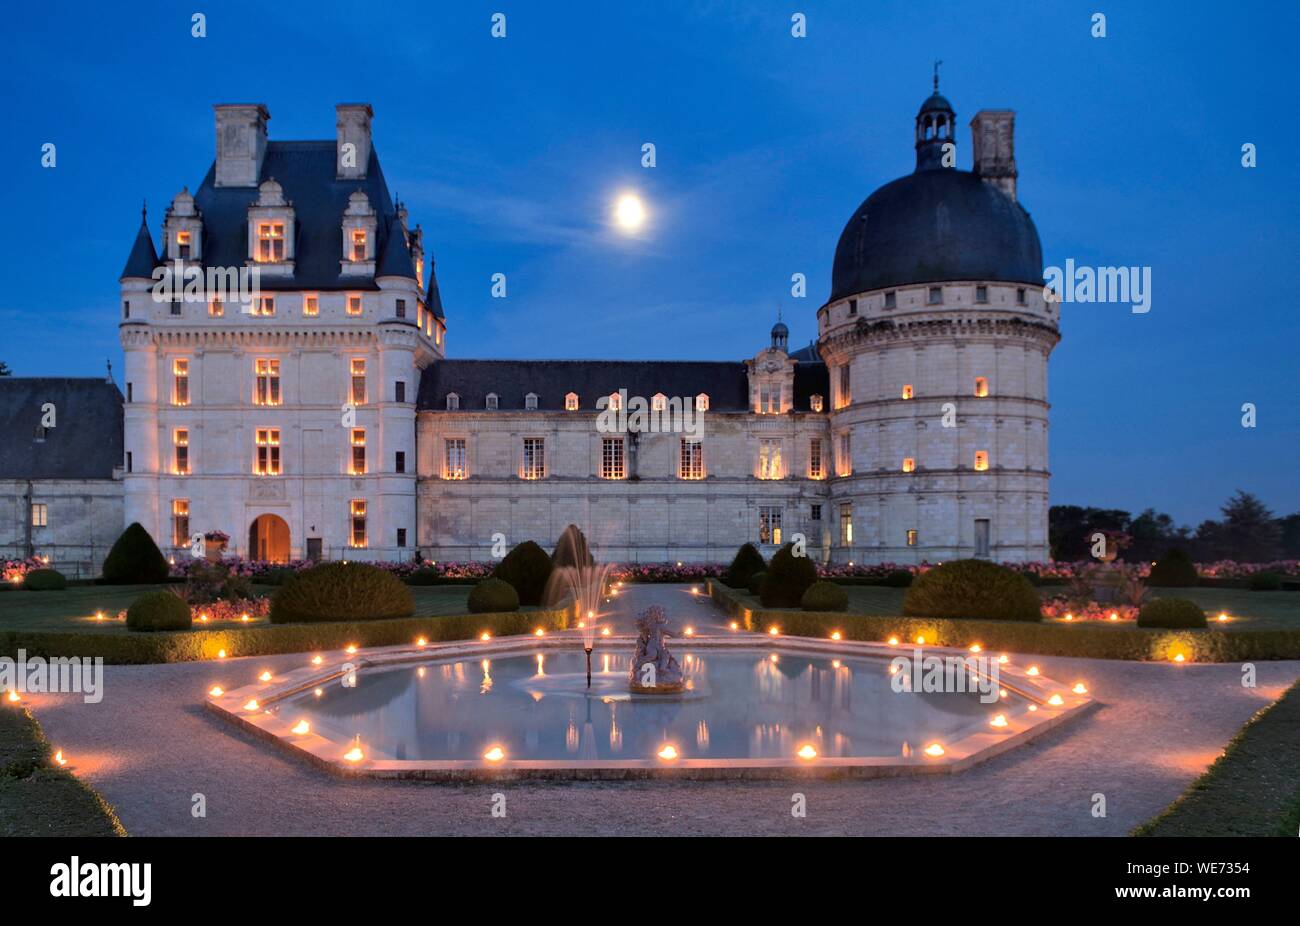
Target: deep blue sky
x=509, y=152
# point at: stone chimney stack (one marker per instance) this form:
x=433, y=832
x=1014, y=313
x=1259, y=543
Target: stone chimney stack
x=353, y=152
x=993, y=132
x=241, y=143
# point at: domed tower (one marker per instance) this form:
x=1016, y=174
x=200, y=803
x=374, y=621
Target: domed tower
x=936, y=337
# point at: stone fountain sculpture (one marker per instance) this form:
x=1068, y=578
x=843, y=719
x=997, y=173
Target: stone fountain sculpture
x=654, y=670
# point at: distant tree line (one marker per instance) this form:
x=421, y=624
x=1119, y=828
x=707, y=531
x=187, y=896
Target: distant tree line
x=1248, y=533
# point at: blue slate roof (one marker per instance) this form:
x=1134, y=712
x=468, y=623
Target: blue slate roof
x=86, y=442
x=143, y=258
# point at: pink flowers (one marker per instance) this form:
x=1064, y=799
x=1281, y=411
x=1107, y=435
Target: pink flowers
x=230, y=610
x=1058, y=608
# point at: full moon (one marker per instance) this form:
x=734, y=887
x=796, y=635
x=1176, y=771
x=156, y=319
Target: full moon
x=629, y=212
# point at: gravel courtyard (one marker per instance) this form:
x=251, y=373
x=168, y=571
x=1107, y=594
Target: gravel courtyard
x=149, y=747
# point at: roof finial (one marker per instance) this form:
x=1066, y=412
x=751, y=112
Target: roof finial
x=778, y=313
x=144, y=212
x=937, y=62
x=110, y=368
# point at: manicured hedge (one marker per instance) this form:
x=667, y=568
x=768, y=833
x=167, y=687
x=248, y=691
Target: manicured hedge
x=756, y=582
x=155, y=611
x=824, y=596
x=44, y=580
x=973, y=588
x=135, y=559
x=494, y=595
x=341, y=592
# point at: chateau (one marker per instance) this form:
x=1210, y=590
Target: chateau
x=317, y=416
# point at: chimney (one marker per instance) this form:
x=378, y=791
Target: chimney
x=993, y=132
x=353, y=151
x=241, y=143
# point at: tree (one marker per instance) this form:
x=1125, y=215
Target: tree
x=1248, y=532
x=1152, y=535
x=1289, y=528
x=4, y=369
x=1070, y=529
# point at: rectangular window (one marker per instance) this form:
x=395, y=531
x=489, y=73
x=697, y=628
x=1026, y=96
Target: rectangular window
x=40, y=514
x=853, y=307
x=570, y=403
x=129, y=461
x=401, y=537
x=399, y=391
x=270, y=242
x=264, y=306
x=358, y=381
x=769, y=525
x=690, y=463
x=769, y=398
x=180, y=522
x=534, y=458
x=126, y=309
x=846, y=524
x=310, y=304
x=907, y=391
x=936, y=295
x=357, y=509
x=844, y=465
x=981, y=387
x=981, y=460
x=399, y=461
x=354, y=305
x=358, y=451
x=266, y=382
x=909, y=465
x=358, y=244
x=130, y=392
x=183, y=243
x=844, y=394
x=175, y=306
x=401, y=308
x=216, y=308
x=611, y=458
x=982, y=537
x=981, y=294
x=1020, y=296
x=181, y=451
x=891, y=300
x=769, y=459
x=815, y=464
x=268, y=452
x=911, y=538
x=454, y=462
x=180, y=381
x=815, y=513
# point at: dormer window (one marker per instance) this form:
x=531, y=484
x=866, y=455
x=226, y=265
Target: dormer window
x=265, y=305
x=702, y=402
x=616, y=401
x=658, y=402
x=270, y=242
x=492, y=402
x=571, y=402
x=453, y=402
x=815, y=403
x=530, y=401
x=183, y=243
x=358, y=244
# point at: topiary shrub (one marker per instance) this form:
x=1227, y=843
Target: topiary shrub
x=51, y=580
x=493, y=596
x=746, y=562
x=1259, y=582
x=825, y=596
x=787, y=578
x=158, y=611
x=135, y=559
x=756, y=582
x=897, y=578
x=278, y=576
x=1171, y=614
x=425, y=575
x=972, y=588
x=1173, y=570
x=572, y=550
x=528, y=569
x=341, y=592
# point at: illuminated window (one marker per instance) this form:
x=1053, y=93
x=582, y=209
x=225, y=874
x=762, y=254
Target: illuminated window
x=846, y=523
x=769, y=459
x=658, y=402
x=530, y=402
x=453, y=402
x=437, y=335
x=264, y=305
x=40, y=514
x=769, y=524
x=909, y=465
x=270, y=242
x=815, y=403
x=690, y=463
x=183, y=243
x=907, y=392
x=611, y=458
x=454, y=459
x=615, y=401
x=358, y=451
x=354, y=304
x=180, y=381
x=844, y=459
x=181, y=451
x=911, y=538
x=981, y=386
x=357, y=509
x=216, y=308
x=981, y=460
x=816, y=465
x=702, y=402
x=180, y=522
x=268, y=452
x=358, y=244
x=534, y=458
x=492, y=403
x=844, y=395
x=769, y=398
x=571, y=402
x=266, y=382
x=310, y=304
x=358, y=391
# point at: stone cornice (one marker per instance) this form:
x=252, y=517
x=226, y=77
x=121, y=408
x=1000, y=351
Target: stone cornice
x=949, y=326
x=250, y=338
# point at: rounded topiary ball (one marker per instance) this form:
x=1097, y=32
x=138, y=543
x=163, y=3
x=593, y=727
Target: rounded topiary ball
x=158, y=611
x=341, y=592
x=972, y=588
x=492, y=596
x=44, y=580
x=1173, y=570
x=1171, y=614
x=825, y=596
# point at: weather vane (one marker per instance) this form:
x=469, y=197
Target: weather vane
x=937, y=62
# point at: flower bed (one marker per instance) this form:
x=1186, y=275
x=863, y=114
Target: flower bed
x=1060, y=609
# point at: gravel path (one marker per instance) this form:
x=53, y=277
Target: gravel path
x=148, y=747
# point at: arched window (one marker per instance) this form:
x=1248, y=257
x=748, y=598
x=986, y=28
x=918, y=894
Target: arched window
x=453, y=402
x=571, y=402
x=615, y=401
x=658, y=402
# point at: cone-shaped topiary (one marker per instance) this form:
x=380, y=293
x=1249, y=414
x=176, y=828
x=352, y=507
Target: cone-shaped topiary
x=572, y=550
x=492, y=596
x=135, y=559
x=825, y=596
x=756, y=582
x=1173, y=570
x=973, y=588
x=787, y=578
x=341, y=592
x=158, y=611
x=746, y=562
x=527, y=568
x=1171, y=614
x=51, y=580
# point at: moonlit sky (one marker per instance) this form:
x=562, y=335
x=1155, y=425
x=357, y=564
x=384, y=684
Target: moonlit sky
x=511, y=152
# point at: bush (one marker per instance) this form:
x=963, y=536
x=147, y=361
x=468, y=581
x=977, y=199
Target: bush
x=158, y=611
x=972, y=588
x=756, y=582
x=1174, y=570
x=897, y=578
x=49, y=580
x=528, y=569
x=492, y=596
x=572, y=550
x=1265, y=582
x=342, y=592
x=746, y=563
x=1171, y=614
x=135, y=559
x=825, y=596
x=787, y=578
x=278, y=576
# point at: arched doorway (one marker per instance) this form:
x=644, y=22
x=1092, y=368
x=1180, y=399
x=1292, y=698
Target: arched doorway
x=268, y=539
